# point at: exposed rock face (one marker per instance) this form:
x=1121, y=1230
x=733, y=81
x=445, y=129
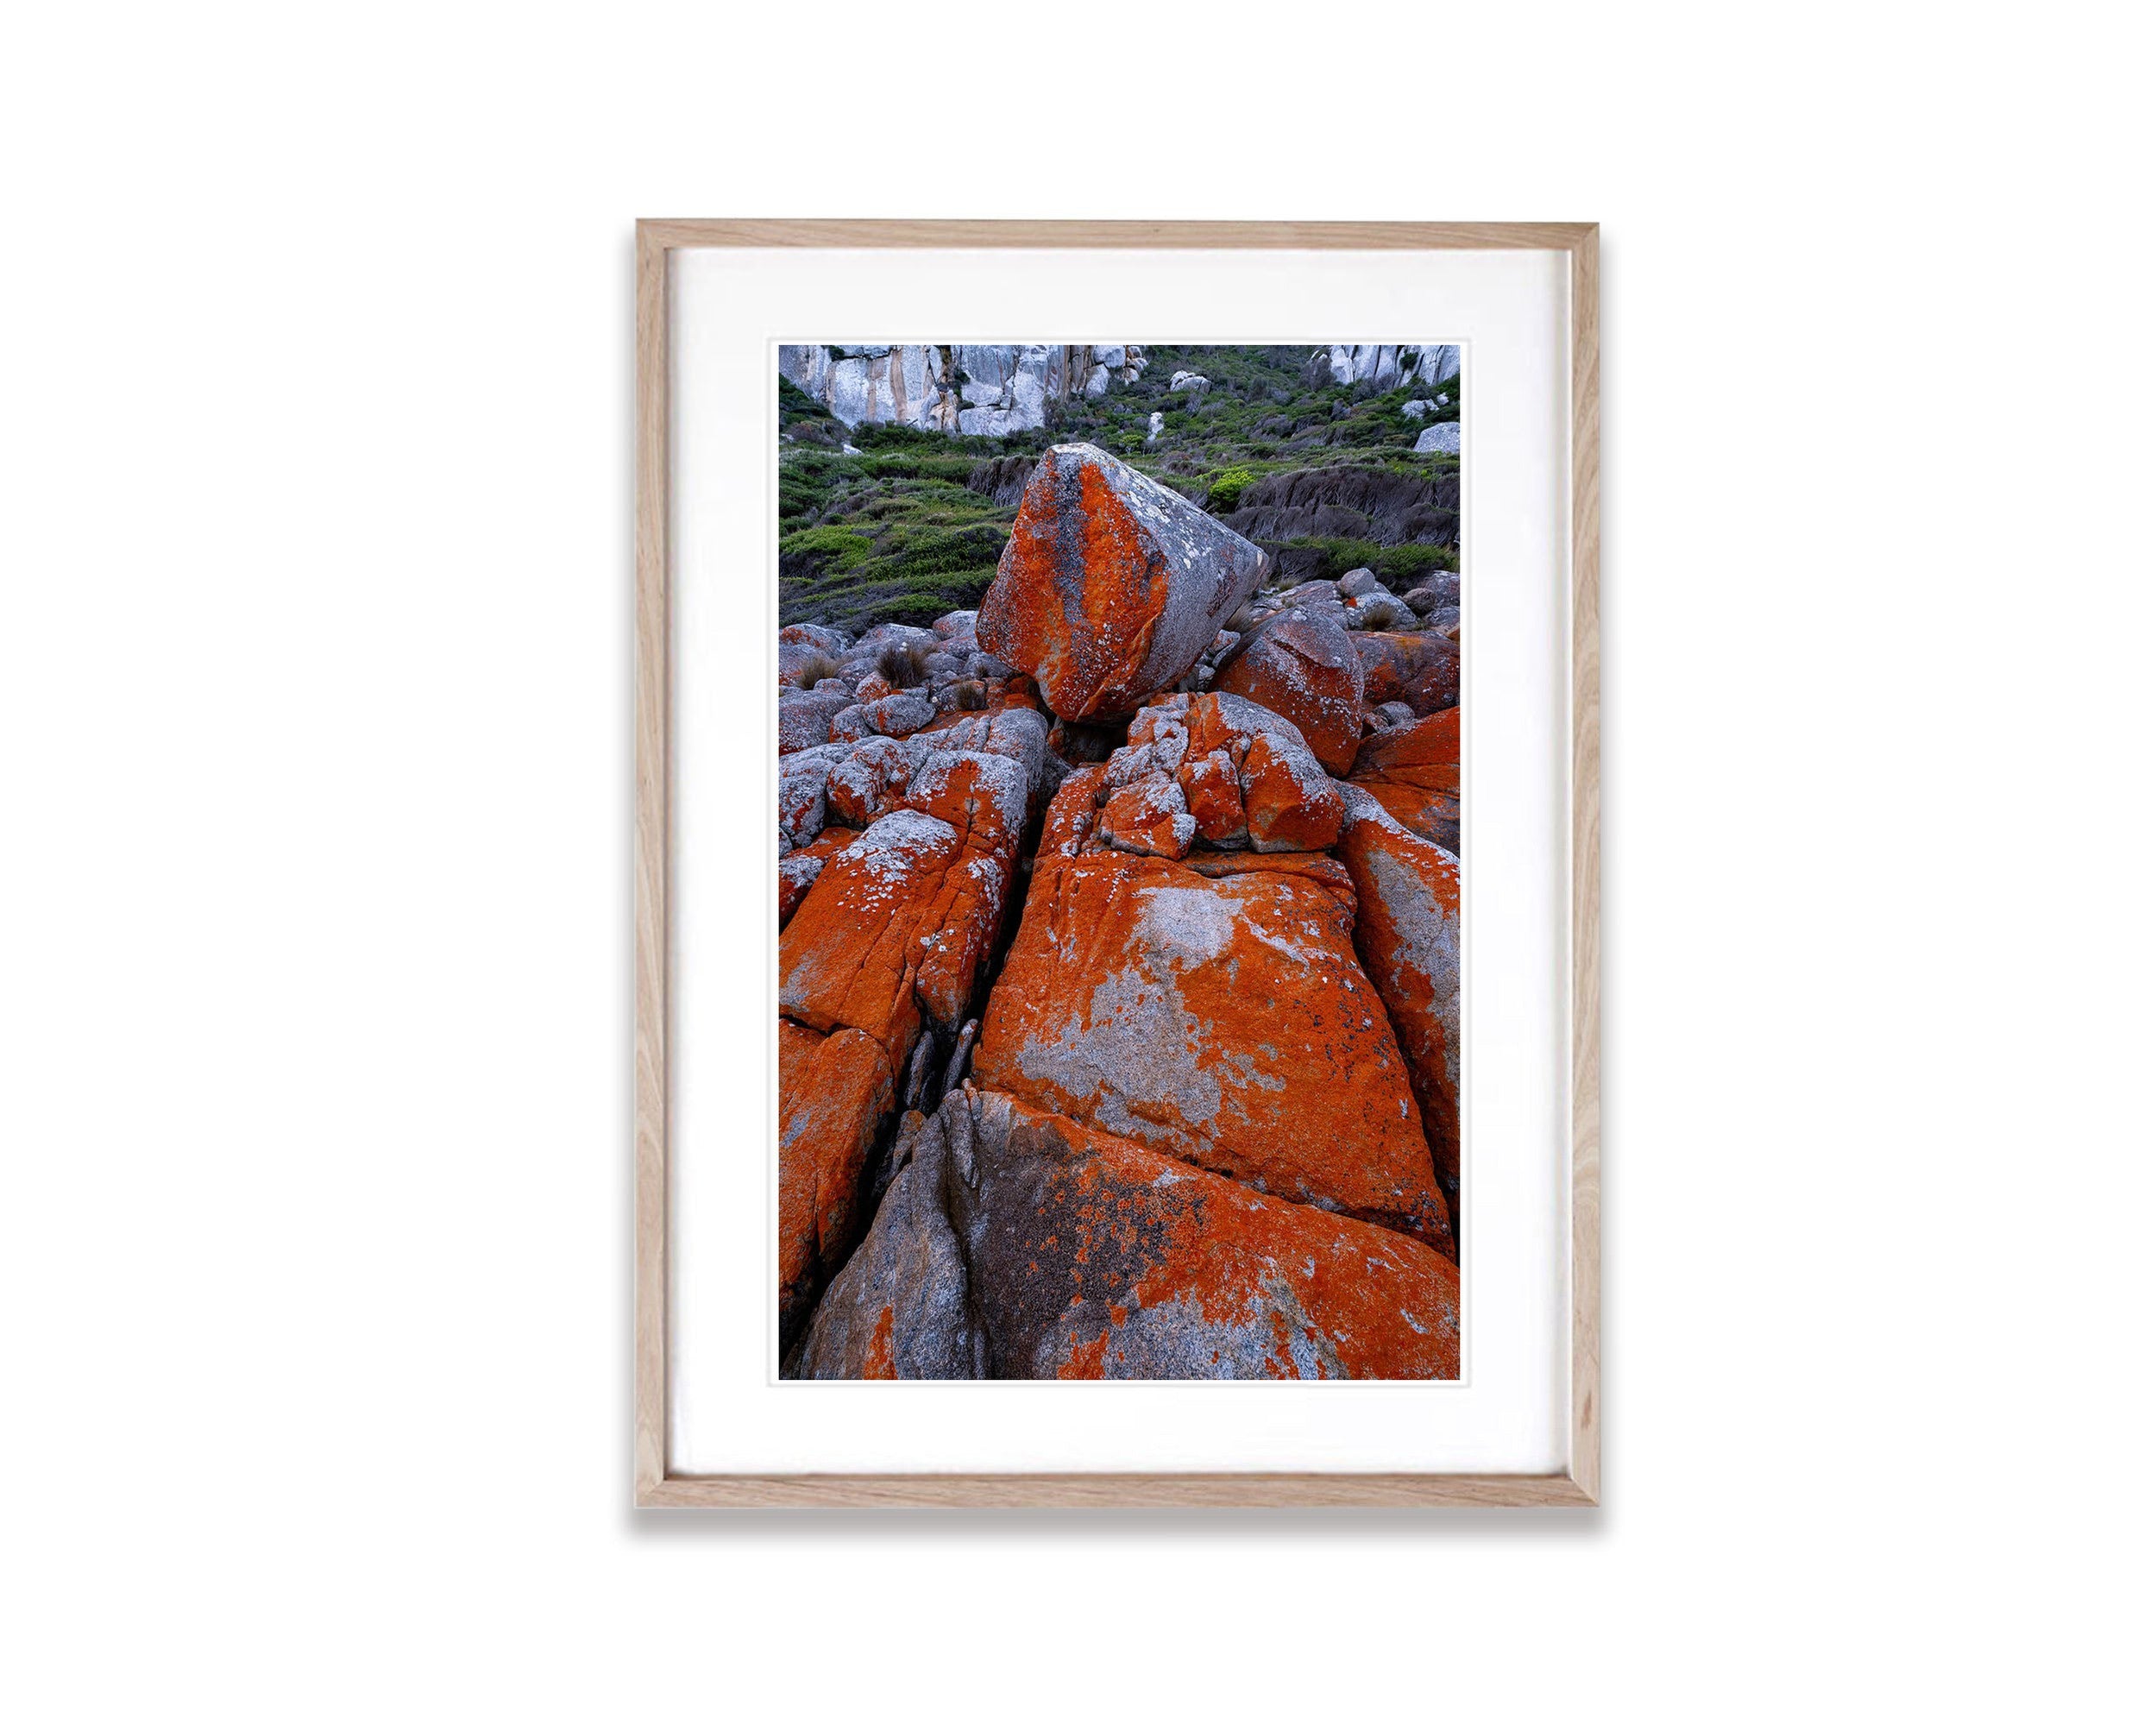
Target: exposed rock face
x=1212, y=1009
x=1422, y=669
x=1111, y=585
x=1081, y=1255
x=903, y=1305
x=833, y=1092
x=1407, y=933
x=1350, y=502
x=1385, y=366
x=883, y=942
x=977, y=391
x=1302, y=666
x=1444, y=440
x=1413, y=771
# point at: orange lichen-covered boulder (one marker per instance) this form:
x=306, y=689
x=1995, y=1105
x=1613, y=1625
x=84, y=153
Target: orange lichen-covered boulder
x=1407, y=933
x=1422, y=669
x=1093, y=1256
x=1221, y=1018
x=1111, y=586
x=848, y=957
x=1247, y=778
x=1414, y=771
x=833, y=1093
x=1302, y=664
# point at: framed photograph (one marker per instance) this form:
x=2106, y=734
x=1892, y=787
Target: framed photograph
x=1117, y=854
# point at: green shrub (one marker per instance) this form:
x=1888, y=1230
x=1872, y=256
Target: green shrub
x=1227, y=490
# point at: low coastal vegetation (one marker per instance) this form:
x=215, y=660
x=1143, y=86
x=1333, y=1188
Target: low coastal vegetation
x=880, y=523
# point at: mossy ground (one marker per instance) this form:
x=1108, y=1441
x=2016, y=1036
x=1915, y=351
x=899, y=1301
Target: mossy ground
x=907, y=529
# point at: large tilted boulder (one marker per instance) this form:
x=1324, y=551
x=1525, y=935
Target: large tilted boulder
x=1407, y=935
x=1414, y=771
x=1019, y=1243
x=1214, y=1010
x=1302, y=666
x=1111, y=586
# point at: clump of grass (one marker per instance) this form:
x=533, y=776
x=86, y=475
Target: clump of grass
x=814, y=669
x=972, y=696
x=903, y=665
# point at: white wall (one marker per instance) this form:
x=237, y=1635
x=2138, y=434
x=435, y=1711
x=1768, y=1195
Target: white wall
x=315, y=389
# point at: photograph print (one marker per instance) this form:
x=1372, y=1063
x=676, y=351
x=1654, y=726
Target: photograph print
x=1120, y=883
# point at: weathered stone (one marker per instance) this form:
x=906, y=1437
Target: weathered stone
x=1219, y=1017
x=985, y=390
x=834, y=1092
x=805, y=716
x=1443, y=439
x=1356, y=583
x=1302, y=666
x=1413, y=771
x=1422, y=669
x=1111, y=586
x=901, y=1307
x=1148, y=818
x=798, y=870
x=1092, y=1257
x=867, y=783
x=1407, y=933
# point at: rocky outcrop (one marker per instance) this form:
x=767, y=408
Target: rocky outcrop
x=1112, y=585
x=1379, y=504
x=977, y=391
x=1384, y=367
x=1129, y=1045
x=1019, y=1243
x=1441, y=439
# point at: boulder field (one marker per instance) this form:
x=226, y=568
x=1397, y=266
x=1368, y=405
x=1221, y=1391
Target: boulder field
x=1120, y=965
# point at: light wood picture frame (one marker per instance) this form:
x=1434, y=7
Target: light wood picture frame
x=1578, y=1481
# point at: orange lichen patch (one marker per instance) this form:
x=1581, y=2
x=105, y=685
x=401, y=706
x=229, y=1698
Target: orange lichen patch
x=1315, y=866
x=879, y=1361
x=1177, y=1273
x=798, y=871
x=1147, y=818
x=1414, y=771
x=1407, y=933
x=833, y=1093
x=1110, y=585
x=847, y=960
x=1289, y=806
x=1225, y=1022
x=1422, y=670
x=1215, y=800
x=1303, y=666
x=1069, y=821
